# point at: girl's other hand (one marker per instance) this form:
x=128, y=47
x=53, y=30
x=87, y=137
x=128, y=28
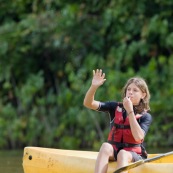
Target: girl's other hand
x=127, y=103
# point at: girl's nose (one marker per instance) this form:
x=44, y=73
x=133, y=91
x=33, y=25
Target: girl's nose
x=130, y=91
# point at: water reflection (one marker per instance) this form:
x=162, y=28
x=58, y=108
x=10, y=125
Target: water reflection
x=11, y=162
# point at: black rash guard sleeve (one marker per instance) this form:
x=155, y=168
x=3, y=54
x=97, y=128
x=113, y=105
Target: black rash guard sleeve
x=108, y=107
x=145, y=122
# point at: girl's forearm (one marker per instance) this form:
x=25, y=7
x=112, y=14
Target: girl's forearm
x=137, y=132
x=89, y=101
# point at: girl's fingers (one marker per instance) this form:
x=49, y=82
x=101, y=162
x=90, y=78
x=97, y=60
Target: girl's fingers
x=99, y=73
x=103, y=75
x=94, y=72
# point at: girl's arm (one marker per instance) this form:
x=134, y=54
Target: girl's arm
x=137, y=131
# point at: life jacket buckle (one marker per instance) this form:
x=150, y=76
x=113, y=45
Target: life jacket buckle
x=121, y=126
x=126, y=145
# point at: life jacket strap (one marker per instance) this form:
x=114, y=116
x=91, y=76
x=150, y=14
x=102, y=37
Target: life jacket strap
x=122, y=126
x=123, y=145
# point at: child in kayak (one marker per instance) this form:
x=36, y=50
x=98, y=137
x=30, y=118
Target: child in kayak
x=130, y=122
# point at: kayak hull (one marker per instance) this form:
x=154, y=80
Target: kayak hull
x=49, y=160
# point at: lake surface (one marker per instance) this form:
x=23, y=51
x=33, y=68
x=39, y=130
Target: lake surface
x=11, y=161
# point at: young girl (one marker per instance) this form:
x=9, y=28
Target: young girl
x=129, y=122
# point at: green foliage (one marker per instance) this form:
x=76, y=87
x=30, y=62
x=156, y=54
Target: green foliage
x=48, y=50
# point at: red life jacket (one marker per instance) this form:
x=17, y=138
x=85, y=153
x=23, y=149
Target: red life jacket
x=121, y=136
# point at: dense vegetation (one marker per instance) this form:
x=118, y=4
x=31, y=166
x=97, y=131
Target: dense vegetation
x=48, y=50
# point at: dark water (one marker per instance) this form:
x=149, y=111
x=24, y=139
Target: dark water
x=11, y=161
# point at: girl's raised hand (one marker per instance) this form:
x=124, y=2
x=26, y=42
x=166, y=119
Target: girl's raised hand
x=98, y=77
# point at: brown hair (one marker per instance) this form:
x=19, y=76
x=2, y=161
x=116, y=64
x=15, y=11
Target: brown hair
x=141, y=84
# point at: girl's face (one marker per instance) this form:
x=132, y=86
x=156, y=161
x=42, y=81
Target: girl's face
x=134, y=93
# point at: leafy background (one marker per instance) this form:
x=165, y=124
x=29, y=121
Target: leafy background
x=48, y=50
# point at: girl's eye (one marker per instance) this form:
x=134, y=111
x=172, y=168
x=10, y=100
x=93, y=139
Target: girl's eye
x=135, y=90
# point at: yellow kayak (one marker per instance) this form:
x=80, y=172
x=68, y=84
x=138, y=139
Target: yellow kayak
x=49, y=160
